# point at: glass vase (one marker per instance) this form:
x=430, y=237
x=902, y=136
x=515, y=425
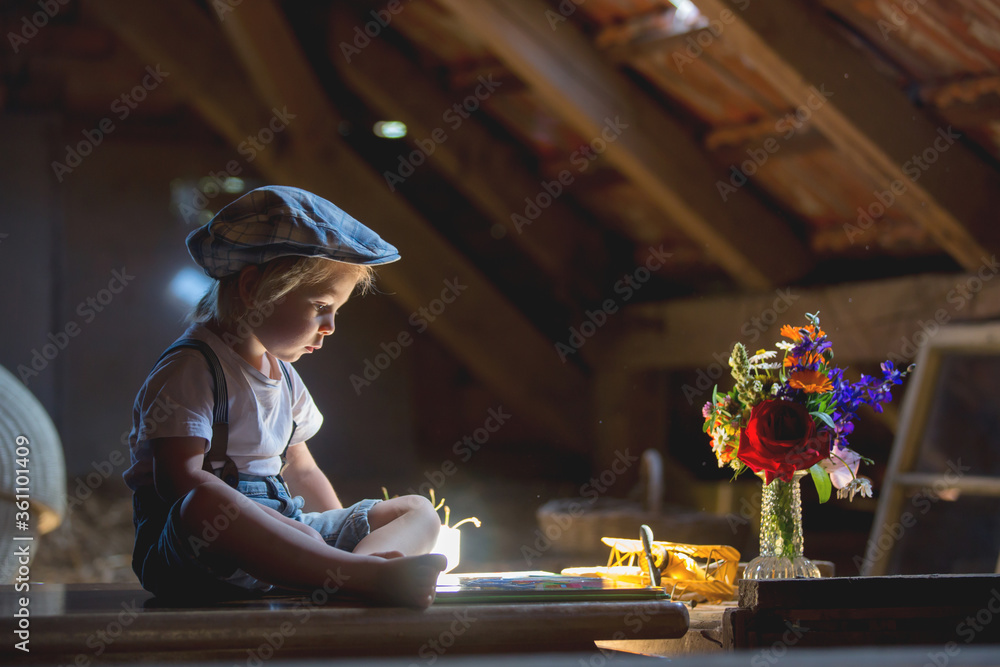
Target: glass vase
x=781, y=534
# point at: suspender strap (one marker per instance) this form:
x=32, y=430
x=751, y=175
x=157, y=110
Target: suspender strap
x=220, y=413
x=288, y=379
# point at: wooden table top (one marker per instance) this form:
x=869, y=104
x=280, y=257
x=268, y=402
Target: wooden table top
x=67, y=621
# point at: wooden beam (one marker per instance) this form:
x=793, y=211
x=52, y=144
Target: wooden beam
x=961, y=91
x=214, y=83
x=480, y=327
x=654, y=150
x=867, y=322
x=929, y=174
x=275, y=64
x=490, y=173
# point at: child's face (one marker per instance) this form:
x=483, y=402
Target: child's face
x=304, y=318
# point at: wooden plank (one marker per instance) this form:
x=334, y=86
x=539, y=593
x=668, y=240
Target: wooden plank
x=958, y=590
x=938, y=181
x=931, y=41
x=916, y=609
x=961, y=91
x=493, y=175
x=867, y=322
x=654, y=150
x=968, y=484
x=66, y=623
x=481, y=328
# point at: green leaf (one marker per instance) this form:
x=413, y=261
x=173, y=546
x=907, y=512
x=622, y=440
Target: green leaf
x=825, y=418
x=822, y=481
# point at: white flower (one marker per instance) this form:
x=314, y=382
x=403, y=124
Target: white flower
x=842, y=466
x=773, y=366
x=858, y=485
x=761, y=356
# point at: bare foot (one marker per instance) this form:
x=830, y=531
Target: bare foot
x=409, y=581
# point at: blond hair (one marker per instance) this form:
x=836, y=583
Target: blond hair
x=278, y=277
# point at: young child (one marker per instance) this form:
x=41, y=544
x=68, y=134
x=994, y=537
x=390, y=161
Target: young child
x=213, y=513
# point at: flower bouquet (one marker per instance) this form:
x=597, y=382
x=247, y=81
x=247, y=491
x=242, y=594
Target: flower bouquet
x=785, y=417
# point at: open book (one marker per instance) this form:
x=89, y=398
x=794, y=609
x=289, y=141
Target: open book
x=538, y=586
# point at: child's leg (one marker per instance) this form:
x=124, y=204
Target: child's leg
x=408, y=525
x=280, y=551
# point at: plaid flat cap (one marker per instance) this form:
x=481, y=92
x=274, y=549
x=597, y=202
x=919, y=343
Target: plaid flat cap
x=277, y=221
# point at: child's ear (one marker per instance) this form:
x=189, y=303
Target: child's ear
x=248, y=281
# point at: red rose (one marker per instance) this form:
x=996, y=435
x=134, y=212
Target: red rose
x=780, y=438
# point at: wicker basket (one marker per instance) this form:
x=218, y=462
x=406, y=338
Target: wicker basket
x=575, y=526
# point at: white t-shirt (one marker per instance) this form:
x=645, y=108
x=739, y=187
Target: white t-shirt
x=177, y=401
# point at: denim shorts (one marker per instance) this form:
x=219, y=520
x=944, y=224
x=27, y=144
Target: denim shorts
x=342, y=528
x=171, y=562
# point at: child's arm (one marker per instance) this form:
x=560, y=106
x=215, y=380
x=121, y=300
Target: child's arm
x=305, y=479
x=177, y=466
x=177, y=470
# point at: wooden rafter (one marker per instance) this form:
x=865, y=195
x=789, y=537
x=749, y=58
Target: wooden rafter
x=480, y=327
x=489, y=172
x=933, y=177
x=217, y=87
x=867, y=322
x=655, y=152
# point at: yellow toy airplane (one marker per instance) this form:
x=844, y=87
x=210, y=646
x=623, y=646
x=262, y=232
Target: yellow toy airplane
x=691, y=571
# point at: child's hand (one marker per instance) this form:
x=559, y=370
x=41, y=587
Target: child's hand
x=388, y=554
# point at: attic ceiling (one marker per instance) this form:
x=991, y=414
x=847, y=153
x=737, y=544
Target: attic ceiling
x=571, y=154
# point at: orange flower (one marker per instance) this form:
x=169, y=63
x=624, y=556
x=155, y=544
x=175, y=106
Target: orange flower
x=788, y=331
x=808, y=359
x=812, y=382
